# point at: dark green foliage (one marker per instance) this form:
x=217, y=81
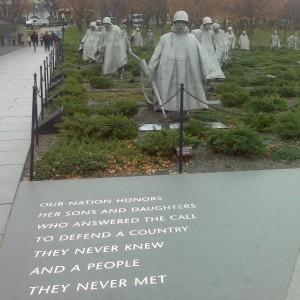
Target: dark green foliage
x=245, y=61
x=227, y=87
x=267, y=104
x=261, y=121
x=70, y=69
x=288, y=153
x=288, y=125
x=235, y=98
x=71, y=158
x=260, y=91
x=76, y=77
x=72, y=104
x=237, y=141
x=163, y=143
x=101, y=82
x=134, y=67
x=127, y=108
x=98, y=127
x=195, y=127
x=262, y=80
x=74, y=89
x=288, y=91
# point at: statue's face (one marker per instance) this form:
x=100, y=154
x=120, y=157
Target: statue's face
x=107, y=26
x=216, y=30
x=207, y=26
x=180, y=25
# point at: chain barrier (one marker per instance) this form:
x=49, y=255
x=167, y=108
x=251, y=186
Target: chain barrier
x=237, y=114
x=144, y=116
x=107, y=124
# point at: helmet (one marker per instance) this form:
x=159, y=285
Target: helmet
x=181, y=16
x=93, y=24
x=106, y=20
x=229, y=28
x=207, y=20
x=215, y=26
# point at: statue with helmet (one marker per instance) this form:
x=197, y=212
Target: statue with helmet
x=220, y=43
x=179, y=58
x=89, y=43
x=112, y=48
x=206, y=38
x=244, y=42
x=230, y=41
x=275, y=41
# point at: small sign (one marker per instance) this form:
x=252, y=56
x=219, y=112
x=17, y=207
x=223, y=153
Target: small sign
x=186, y=151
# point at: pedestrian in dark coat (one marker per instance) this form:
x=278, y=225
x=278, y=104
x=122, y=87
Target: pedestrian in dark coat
x=35, y=39
x=47, y=40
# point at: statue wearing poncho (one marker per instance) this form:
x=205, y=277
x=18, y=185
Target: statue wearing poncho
x=112, y=48
x=179, y=58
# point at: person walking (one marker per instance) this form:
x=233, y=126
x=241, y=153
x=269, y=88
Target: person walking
x=35, y=39
x=13, y=38
x=47, y=41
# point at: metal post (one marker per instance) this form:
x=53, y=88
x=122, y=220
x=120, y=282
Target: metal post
x=34, y=100
x=181, y=128
x=42, y=92
x=50, y=66
x=53, y=59
x=33, y=116
x=47, y=73
x=63, y=27
x=45, y=84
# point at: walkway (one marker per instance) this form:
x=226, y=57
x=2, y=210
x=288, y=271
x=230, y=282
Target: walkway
x=17, y=66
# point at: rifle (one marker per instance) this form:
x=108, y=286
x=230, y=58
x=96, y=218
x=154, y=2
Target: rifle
x=144, y=68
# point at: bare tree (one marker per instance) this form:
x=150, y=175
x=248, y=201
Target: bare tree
x=11, y=10
x=248, y=13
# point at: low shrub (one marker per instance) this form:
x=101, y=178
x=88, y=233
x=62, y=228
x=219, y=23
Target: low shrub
x=288, y=91
x=72, y=104
x=163, y=143
x=74, y=89
x=237, y=141
x=122, y=107
x=195, y=127
x=101, y=82
x=260, y=121
x=288, y=153
x=267, y=104
x=227, y=87
x=263, y=80
x=261, y=91
x=235, y=98
x=288, y=125
x=71, y=158
x=98, y=128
